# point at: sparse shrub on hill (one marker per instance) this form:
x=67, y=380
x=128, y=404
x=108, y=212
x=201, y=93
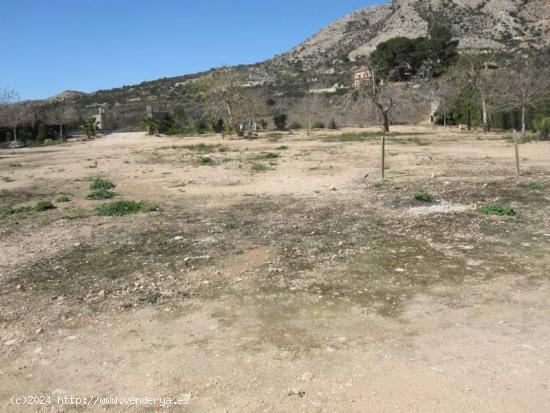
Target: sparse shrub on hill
x=295, y=125
x=542, y=124
x=318, y=125
x=280, y=121
x=263, y=124
x=218, y=125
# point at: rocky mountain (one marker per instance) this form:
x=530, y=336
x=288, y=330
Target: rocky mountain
x=326, y=60
x=478, y=24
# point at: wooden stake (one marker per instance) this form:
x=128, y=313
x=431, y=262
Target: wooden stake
x=516, y=148
x=383, y=154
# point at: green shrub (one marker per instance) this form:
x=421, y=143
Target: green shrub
x=267, y=155
x=318, y=125
x=99, y=183
x=422, y=195
x=280, y=121
x=99, y=194
x=151, y=298
x=295, y=125
x=496, y=209
x=351, y=137
x=535, y=186
x=16, y=210
x=281, y=148
x=274, y=136
x=120, y=208
x=332, y=124
x=259, y=167
x=542, y=124
x=63, y=198
x=206, y=160
x=217, y=125
x=4, y=192
x=201, y=148
x=230, y=223
x=43, y=206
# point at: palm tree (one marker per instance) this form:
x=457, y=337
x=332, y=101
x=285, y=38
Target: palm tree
x=150, y=124
x=88, y=127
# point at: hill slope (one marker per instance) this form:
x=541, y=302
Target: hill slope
x=328, y=57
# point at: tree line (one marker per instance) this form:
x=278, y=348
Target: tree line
x=489, y=90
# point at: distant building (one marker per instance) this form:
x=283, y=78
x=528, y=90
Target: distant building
x=156, y=115
x=100, y=120
x=248, y=127
x=360, y=75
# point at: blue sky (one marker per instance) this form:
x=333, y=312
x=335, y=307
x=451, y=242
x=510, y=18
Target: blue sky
x=48, y=46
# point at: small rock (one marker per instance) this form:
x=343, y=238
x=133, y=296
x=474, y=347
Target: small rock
x=37, y=350
x=307, y=376
x=39, y=330
x=399, y=270
x=11, y=342
x=333, y=188
x=296, y=392
x=178, y=238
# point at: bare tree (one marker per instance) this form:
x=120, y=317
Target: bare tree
x=383, y=95
x=58, y=115
x=11, y=109
x=222, y=94
x=312, y=105
x=445, y=93
x=521, y=85
x=251, y=107
x=475, y=70
x=439, y=92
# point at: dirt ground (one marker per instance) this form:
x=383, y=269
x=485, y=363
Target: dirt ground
x=278, y=274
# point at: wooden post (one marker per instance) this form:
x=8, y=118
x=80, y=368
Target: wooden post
x=383, y=154
x=516, y=149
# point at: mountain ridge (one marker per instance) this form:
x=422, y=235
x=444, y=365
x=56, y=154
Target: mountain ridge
x=328, y=58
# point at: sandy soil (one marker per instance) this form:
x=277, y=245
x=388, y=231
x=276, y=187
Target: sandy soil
x=304, y=284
